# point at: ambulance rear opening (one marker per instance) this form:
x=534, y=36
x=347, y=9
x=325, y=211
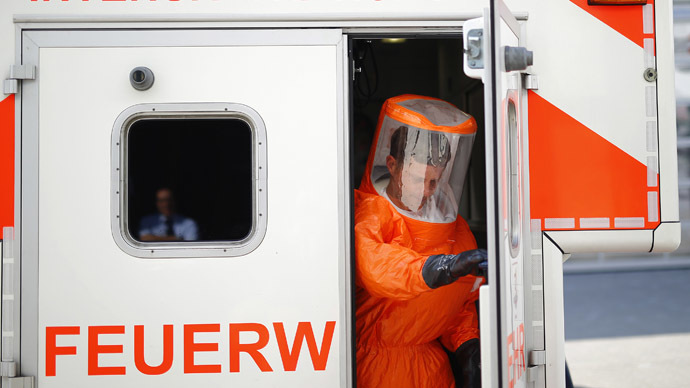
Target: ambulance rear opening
x=177, y=177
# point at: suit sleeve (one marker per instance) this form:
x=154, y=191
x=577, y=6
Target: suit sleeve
x=467, y=327
x=385, y=266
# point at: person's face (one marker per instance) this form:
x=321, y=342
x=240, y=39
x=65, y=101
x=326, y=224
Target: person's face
x=412, y=183
x=165, y=202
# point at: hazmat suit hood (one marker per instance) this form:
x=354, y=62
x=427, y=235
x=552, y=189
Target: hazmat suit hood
x=419, y=157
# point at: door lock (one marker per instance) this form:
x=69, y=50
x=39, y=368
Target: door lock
x=475, y=41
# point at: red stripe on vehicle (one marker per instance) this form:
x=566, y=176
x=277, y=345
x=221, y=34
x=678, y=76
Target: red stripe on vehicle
x=576, y=173
x=6, y=162
x=626, y=19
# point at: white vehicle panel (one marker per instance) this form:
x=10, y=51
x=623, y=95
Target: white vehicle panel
x=85, y=280
x=579, y=54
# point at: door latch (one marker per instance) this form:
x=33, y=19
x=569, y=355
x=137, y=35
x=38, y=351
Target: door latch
x=475, y=42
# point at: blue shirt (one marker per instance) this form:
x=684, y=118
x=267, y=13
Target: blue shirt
x=183, y=228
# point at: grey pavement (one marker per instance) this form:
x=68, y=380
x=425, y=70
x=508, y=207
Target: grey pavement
x=628, y=329
x=626, y=304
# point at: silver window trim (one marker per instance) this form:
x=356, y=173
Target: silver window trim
x=178, y=249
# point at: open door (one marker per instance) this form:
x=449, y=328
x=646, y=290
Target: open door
x=91, y=277
x=511, y=305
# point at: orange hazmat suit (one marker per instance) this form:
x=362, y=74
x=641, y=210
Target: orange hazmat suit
x=402, y=324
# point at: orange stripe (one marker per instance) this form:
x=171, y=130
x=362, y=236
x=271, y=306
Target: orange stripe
x=402, y=114
x=575, y=173
x=626, y=19
x=6, y=162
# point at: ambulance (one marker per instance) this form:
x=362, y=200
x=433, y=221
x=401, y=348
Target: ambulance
x=254, y=118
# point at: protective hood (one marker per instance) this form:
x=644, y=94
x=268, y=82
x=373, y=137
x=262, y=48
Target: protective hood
x=420, y=156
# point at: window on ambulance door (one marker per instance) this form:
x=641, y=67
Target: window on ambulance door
x=188, y=180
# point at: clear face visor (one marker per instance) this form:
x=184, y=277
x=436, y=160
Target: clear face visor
x=421, y=172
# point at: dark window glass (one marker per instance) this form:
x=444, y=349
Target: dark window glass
x=189, y=179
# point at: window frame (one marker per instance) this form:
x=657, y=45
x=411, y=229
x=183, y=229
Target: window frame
x=186, y=249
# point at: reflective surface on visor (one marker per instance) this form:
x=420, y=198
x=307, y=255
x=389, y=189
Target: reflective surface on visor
x=421, y=172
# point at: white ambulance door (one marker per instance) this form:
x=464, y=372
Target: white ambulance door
x=103, y=307
x=511, y=303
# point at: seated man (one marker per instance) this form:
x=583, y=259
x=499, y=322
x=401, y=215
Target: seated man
x=167, y=225
x=415, y=257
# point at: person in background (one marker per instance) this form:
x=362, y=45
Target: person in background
x=167, y=225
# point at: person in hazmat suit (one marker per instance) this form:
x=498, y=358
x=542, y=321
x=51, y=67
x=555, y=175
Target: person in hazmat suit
x=415, y=256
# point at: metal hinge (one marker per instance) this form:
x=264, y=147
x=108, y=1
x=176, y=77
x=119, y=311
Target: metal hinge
x=18, y=73
x=536, y=357
x=533, y=373
x=18, y=382
x=8, y=371
x=531, y=82
x=536, y=362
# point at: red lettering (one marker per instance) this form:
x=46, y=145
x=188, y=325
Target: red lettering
x=52, y=350
x=516, y=355
x=95, y=349
x=252, y=349
x=139, y=360
x=290, y=354
x=304, y=331
x=520, y=351
x=191, y=347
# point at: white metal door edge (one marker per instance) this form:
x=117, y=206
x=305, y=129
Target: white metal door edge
x=344, y=190
x=492, y=214
x=602, y=240
x=666, y=237
x=666, y=110
x=485, y=340
x=554, y=325
x=27, y=195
